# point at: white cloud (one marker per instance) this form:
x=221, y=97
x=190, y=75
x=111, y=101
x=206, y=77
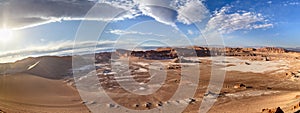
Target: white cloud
x=190, y=32
x=123, y=32
x=294, y=3
x=171, y=11
x=226, y=22
x=193, y=11
x=20, y=14
x=59, y=48
x=291, y=3
x=269, y=2
x=262, y=26
x=159, y=10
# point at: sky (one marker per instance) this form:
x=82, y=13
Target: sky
x=50, y=27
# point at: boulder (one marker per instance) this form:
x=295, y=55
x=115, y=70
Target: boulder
x=192, y=100
x=148, y=105
x=247, y=63
x=111, y=105
x=239, y=86
x=159, y=103
x=279, y=110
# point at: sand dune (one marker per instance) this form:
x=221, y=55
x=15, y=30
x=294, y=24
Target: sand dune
x=48, y=67
x=31, y=93
x=38, y=85
x=51, y=67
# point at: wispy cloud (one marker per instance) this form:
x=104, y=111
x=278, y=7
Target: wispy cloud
x=192, y=11
x=170, y=11
x=124, y=32
x=20, y=14
x=59, y=48
x=292, y=3
x=262, y=26
x=226, y=22
x=190, y=32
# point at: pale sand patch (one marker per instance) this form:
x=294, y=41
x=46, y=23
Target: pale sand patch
x=246, y=65
x=255, y=66
x=143, y=64
x=141, y=70
x=250, y=93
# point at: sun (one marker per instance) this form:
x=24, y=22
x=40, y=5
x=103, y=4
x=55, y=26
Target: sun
x=5, y=35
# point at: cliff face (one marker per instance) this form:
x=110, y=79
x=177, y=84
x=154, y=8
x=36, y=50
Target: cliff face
x=196, y=51
x=170, y=53
x=103, y=57
x=272, y=50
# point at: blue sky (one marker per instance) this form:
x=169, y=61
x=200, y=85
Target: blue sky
x=49, y=27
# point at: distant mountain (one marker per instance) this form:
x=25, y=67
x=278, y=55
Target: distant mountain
x=296, y=49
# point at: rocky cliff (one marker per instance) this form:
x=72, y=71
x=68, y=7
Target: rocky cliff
x=196, y=51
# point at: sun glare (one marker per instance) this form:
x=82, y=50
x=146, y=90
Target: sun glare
x=5, y=35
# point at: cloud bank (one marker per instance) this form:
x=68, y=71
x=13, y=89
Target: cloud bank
x=124, y=32
x=58, y=49
x=20, y=14
x=226, y=22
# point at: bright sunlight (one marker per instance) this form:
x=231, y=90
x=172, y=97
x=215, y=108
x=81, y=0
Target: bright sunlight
x=5, y=35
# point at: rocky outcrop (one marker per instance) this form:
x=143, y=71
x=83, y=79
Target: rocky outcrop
x=183, y=60
x=103, y=57
x=168, y=53
x=293, y=75
x=159, y=54
x=2, y=111
x=196, y=51
x=272, y=50
x=277, y=110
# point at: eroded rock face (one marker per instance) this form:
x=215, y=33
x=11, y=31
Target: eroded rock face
x=272, y=50
x=169, y=53
x=196, y=51
x=103, y=57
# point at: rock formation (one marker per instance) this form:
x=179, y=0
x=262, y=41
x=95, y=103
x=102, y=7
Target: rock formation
x=196, y=51
x=271, y=50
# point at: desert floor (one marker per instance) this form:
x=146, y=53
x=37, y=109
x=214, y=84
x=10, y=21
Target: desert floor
x=249, y=87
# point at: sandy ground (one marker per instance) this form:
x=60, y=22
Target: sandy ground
x=265, y=84
x=32, y=94
x=255, y=104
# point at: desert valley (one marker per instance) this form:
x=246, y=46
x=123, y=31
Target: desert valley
x=257, y=80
